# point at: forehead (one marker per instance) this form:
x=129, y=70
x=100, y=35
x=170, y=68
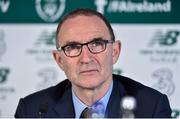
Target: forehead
x=83, y=28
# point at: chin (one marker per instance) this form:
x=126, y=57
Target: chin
x=91, y=84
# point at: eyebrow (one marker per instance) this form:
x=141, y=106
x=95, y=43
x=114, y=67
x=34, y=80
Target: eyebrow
x=75, y=42
x=98, y=38
x=71, y=42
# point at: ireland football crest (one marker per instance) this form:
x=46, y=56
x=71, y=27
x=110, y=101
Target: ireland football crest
x=50, y=10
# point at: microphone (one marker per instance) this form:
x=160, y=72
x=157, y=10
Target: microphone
x=43, y=108
x=128, y=106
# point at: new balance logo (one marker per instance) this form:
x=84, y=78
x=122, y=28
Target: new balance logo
x=168, y=39
x=47, y=38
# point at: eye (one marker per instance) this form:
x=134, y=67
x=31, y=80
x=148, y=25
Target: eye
x=72, y=47
x=97, y=43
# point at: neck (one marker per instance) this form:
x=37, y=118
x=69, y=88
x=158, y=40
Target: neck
x=90, y=96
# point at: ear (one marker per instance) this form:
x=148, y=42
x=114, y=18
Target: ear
x=116, y=51
x=57, y=56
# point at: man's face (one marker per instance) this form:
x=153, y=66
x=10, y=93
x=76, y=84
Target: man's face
x=87, y=70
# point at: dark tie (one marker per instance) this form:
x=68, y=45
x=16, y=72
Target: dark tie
x=86, y=113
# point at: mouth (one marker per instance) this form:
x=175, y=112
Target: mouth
x=89, y=72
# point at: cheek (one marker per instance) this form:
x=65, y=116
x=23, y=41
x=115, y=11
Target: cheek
x=69, y=68
x=106, y=62
x=109, y=57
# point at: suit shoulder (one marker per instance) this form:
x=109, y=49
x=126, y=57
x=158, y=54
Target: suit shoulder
x=135, y=88
x=41, y=101
x=150, y=102
x=53, y=92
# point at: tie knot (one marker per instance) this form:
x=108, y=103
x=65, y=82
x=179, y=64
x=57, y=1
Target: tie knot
x=86, y=113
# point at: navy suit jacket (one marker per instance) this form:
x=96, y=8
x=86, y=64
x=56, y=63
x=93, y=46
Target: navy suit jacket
x=57, y=101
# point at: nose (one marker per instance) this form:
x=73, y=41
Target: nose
x=86, y=55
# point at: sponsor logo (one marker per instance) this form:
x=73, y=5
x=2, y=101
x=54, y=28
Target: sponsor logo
x=4, y=72
x=2, y=44
x=48, y=76
x=163, y=47
x=165, y=39
x=50, y=10
x=164, y=82
x=5, y=90
x=4, y=5
x=43, y=47
x=130, y=6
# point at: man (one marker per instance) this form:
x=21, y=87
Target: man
x=86, y=52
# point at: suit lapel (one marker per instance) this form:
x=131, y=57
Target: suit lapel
x=65, y=108
x=113, y=108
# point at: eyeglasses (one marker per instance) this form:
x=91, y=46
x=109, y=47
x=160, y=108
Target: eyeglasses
x=95, y=46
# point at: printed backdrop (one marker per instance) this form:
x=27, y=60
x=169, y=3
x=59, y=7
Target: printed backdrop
x=148, y=29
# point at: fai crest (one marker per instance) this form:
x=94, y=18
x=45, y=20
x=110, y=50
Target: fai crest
x=164, y=81
x=50, y=10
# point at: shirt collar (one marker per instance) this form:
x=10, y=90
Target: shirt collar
x=79, y=106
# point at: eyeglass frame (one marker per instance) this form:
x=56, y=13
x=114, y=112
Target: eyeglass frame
x=82, y=44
